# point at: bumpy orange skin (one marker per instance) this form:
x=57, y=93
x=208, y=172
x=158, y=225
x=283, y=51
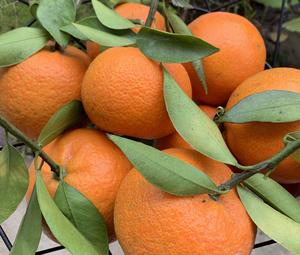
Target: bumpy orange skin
x=254, y=142
x=32, y=91
x=150, y=222
x=122, y=93
x=134, y=11
x=242, y=54
x=94, y=165
x=174, y=140
x=140, y=12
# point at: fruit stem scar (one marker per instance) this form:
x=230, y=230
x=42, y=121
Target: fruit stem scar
x=30, y=144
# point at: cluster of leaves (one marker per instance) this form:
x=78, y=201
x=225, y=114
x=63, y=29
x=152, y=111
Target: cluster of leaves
x=73, y=219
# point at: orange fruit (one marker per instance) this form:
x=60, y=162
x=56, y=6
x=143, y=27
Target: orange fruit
x=174, y=140
x=254, y=142
x=122, y=93
x=32, y=91
x=242, y=54
x=94, y=166
x=92, y=49
x=133, y=11
x=137, y=11
x=150, y=222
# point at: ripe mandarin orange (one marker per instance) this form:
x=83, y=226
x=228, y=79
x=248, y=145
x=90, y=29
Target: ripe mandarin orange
x=254, y=142
x=150, y=222
x=242, y=54
x=32, y=91
x=122, y=93
x=174, y=140
x=133, y=11
x=94, y=166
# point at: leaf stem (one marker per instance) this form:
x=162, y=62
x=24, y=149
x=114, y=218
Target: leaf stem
x=151, y=14
x=269, y=164
x=30, y=143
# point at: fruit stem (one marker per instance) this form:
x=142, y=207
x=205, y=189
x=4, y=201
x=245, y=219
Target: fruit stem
x=269, y=164
x=151, y=14
x=29, y=143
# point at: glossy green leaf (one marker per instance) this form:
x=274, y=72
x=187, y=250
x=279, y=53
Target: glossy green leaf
x=275, y=195
x=164, y=171
x=293, y=25
x=275, y=3
x=276, y=225
x=104, y=38
x=110, y=18
x=63, y=230
x=30, y=231
x=275, y=106
x=84, y=11
x=55, y=14
x=13, y=181
x=33, y=5
x=290, y=138
x=193, y=125
x=172, y=48
x=180, y=27
x=19, y=44
x=66, y=117
x=83, y=214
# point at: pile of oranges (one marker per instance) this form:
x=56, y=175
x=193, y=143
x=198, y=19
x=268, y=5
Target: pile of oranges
x=122, y=93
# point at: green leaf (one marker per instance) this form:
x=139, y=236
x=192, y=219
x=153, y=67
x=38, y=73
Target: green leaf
x=33, y=5
x=276, y=225
x=83, y=214
x=66, y=117
x=293, y=25
x=193, y=125
x=85, y=10
x=275, y=195
x=180, y=27
x=13, y=181
x=30, y=231
x=290, y=138
x=275, y=3
x=63, y=230
x=13, y=14
x=182, y=4
x=164, y=171
x=110, y=18
x=55, y=14
x=104, y=38
x=172, y=48
x=19, y=44
x=275, y=106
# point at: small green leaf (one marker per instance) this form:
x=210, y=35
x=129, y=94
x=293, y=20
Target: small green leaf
x=110, y=18
x=55, y=14
x=275, y=3
x=30, y=231
x=193, y=125
x=166, y=172
x=172, y=48
x=275, y=106
x=180, y=27
x=66, y=117
x=293, y=25
x=182, y=4
x=275, y=195
x=64, y=231
x=33, y=5
x=83, y=214
x=13, y=181
x=290, y=138
x=276, y=225
x=19, y=44
x=104, y=38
